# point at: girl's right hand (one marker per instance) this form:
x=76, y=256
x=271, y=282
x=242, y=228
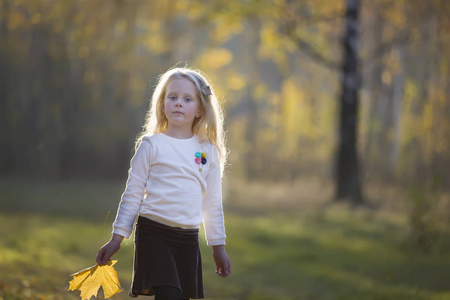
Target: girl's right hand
x=108, y=250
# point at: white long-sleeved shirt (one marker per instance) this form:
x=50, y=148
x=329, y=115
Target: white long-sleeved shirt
x=165, y=184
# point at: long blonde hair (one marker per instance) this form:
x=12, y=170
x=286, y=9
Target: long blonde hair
x=208, y=127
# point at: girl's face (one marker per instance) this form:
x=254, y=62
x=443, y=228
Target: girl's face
x=181, y=103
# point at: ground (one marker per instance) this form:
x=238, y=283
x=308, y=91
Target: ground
x=280, y=248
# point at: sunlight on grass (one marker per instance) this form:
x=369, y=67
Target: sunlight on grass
x=329, y=252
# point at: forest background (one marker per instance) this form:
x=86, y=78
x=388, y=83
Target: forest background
x=76, y=78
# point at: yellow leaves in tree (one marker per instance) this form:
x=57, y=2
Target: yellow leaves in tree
x=235, y=81
x=89, y=280
x=215, y=58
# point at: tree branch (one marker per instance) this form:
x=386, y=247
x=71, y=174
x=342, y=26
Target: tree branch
x=305, y=47
x=383, y=48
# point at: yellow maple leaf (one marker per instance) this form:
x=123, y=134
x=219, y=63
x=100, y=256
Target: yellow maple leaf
x=89, y=280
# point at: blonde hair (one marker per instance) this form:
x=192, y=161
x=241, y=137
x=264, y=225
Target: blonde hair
x=208, y=127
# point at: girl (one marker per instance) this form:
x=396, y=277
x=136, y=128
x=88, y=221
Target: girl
x=174, y=184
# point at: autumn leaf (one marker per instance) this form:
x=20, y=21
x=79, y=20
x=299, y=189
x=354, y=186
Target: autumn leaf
x=89, y=280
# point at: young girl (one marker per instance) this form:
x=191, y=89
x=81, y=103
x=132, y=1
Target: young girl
x=174, y=184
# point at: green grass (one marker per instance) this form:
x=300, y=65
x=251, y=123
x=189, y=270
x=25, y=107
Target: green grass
x=326, y=252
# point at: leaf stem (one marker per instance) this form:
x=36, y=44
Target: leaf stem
x=103, y=229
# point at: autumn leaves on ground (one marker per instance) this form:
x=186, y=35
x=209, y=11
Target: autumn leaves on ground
x=280, y=249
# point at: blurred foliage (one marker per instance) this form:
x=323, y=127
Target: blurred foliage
x=426, y=228
x=76, y=75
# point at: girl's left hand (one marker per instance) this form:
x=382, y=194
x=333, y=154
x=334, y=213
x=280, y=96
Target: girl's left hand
x=223, y=265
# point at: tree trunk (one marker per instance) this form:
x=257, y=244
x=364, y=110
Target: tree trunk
x=397, y=99
x=347, y=174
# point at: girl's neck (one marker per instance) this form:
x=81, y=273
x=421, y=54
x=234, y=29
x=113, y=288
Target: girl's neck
x=179, y=133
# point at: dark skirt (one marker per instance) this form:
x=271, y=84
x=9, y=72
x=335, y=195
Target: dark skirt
x=166, y=255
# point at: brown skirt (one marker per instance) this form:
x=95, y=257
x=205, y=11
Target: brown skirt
x=166, y=255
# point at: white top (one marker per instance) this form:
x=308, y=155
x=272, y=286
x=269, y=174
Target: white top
x=165, y=184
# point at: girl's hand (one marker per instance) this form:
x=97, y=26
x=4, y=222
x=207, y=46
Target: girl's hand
x=223, y=265
x=108, y=250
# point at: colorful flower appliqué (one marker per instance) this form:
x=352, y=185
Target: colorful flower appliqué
x=200, y=159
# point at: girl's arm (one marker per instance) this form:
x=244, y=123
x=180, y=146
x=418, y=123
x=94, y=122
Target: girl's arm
x=212, y=204
x=130, y=203
x=134, y=191
x=213, y=218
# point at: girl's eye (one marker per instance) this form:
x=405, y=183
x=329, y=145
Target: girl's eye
x=172, y=97
x=188, y=99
